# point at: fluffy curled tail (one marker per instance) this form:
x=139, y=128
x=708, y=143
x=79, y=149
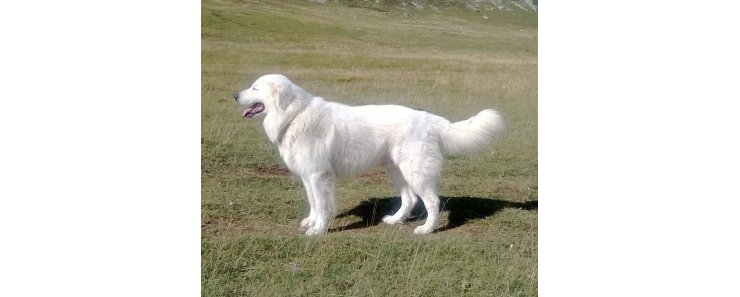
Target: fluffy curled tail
x=473, y=134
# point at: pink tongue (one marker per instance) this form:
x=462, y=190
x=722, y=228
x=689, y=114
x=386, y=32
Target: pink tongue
x=248, y=111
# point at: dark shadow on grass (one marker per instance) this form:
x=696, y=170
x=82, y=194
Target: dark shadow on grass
x=461, y=210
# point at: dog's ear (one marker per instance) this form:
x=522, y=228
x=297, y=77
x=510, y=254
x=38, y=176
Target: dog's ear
x=283, y=95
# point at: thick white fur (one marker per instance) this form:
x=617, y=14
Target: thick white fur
x=320, y=140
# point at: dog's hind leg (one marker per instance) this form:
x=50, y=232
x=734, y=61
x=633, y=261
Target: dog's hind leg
x=408, y=198
x=431, y=203
x=322, y=186
x=421, y=172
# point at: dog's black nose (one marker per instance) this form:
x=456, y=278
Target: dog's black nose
x=236, y=96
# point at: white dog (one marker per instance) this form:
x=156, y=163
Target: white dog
x=320, y=140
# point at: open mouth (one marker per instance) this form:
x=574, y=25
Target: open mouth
x=253, y=109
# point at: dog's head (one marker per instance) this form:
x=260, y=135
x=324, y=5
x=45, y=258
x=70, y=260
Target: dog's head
x=267, y=93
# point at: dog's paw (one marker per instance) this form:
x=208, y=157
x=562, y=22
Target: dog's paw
x=315, y=231
x=422, y=230
x=308, y=222
x=391, y=220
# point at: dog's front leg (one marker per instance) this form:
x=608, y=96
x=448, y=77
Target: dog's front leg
x=322, y=186
x=311, y=219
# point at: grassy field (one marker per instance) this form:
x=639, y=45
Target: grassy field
x=450, y=61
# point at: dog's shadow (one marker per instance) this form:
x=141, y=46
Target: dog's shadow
x=461, y=210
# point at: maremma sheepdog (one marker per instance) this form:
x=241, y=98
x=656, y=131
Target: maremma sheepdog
x=320, y=140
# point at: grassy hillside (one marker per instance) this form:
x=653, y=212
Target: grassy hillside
x=449, y=61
